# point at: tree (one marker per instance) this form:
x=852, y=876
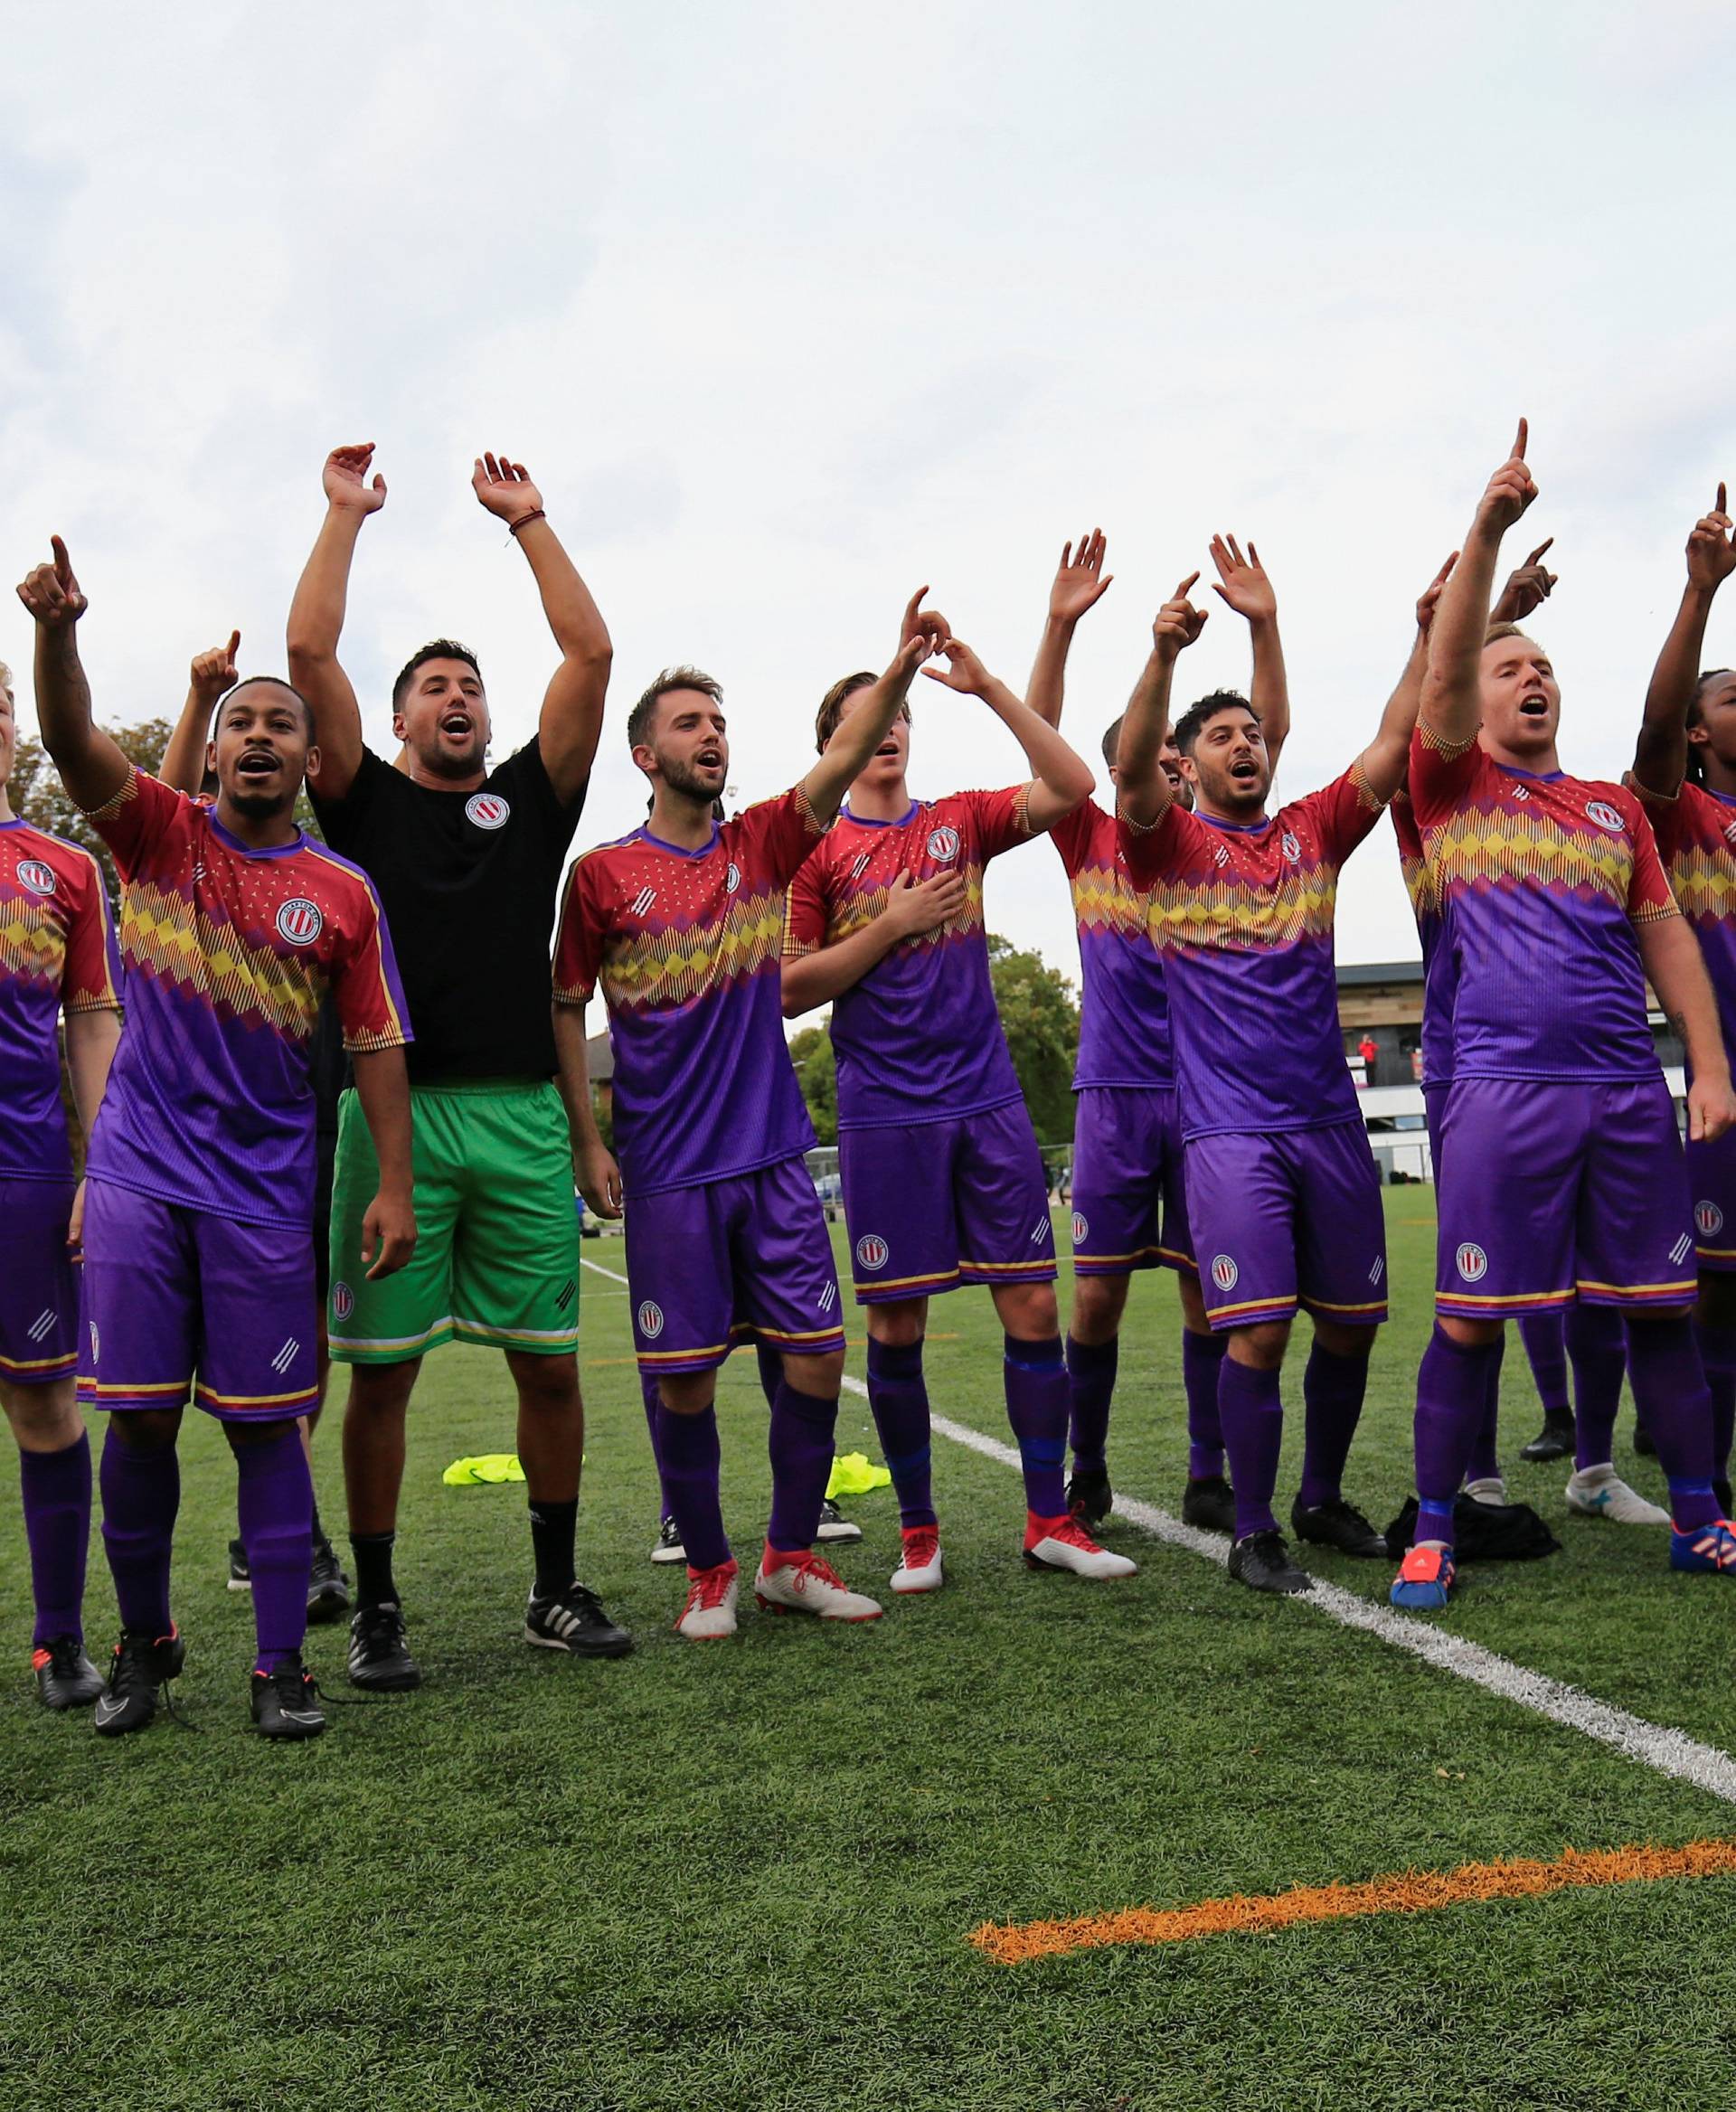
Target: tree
x=816, y=1069
x=1039, y=1015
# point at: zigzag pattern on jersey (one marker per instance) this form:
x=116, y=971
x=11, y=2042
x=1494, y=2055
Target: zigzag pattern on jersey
x=859, y=910
x=1419, y=885
x=163, y=935
x=1228, y=915
x=33, y=940
x=1484, y=849
x=1104, y=900
x=1704, y=878
x=662, y=969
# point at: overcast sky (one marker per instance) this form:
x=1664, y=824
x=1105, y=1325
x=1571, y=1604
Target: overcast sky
x=791, y=309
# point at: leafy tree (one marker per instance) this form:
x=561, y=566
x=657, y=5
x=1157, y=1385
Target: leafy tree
x=1039, y=1015
x=816, y=1069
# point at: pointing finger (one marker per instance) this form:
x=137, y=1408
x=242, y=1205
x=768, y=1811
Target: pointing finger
x=1520, y=439
x=1536, y=556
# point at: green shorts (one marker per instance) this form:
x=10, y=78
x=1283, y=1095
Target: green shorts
x=496, y=1258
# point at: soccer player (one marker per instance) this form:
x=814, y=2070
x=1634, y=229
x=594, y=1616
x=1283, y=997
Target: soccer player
x=1129, y=1206
x=681, y=922
x=942, y=1175
x=1558, y=911
x=1283, y=1196
x=198, y=1221
x=1685, y=769
x=57, y=956
x=467, y=860
x=211, y=677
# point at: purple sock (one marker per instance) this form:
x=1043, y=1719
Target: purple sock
x=1252, y=1414
x=1485, y=1462
x=802, y=1428
x=1090, y=1380
x=1202, y=1363
x=141, y=1494
x=274, y=1507
x=648, y=1394
x=1452, y=1395
x=1670, y=1390
x=1035, y=1377
x=1718, y=1354
x=1595, y=1343
x=899, y=1396
x=1542, y=1335
x=1332, y=1387
x=56, y=1488
x=687, y=1449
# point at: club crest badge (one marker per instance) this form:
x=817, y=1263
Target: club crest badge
x=871, y=1252
x=36, y=876
x=1224, y=1273
x=1472, y=1262
x=300, y=921
x=1606, y=817
x=488, y=810
x=943, y=845
x=1708, y=1220
x=342, y=1301
x=650, y=1320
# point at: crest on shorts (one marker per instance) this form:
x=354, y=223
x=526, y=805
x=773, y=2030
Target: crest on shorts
x=488, y=810
x=1708, y=1220
x=872, y=1251
x=1224, y=1273
x=300, y=921
x=943, y=845
x=733, y=878
x=650, y=1320
x=342, y=1301
x=1606, y=817
x=36, y=876
x=1081, y=1230
x=1472, y=1262
x=1291, y=847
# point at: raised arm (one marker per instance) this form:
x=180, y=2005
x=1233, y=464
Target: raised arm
x=593, y=1164
x=1527, y=588
x=1081, y=583
x=91, y=764
x=1142, y=790
x=1061, y=781
x=862, y=729
x=1452, y=699
x=211, y=673
x=1241, y=581
x=316, y=615
x=572, y=704
x=1661, y=757
x=1676, y=970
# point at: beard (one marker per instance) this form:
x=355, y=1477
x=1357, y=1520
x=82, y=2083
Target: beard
x=684, y=778
x=441, y=762
x=260, y=806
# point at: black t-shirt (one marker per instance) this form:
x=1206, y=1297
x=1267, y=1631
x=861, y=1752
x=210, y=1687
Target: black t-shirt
x=469, y=881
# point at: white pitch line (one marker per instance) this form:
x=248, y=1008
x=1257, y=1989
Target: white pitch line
x=613, y=1274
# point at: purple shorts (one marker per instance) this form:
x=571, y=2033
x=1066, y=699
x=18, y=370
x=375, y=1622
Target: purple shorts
x=711, y=1265
x=1553, y=1192
x=170, y=1291
x=39, y=1285
x=1712, y=1183
x=1129, y=1197
x=1288, y=1219
x=934, y=1205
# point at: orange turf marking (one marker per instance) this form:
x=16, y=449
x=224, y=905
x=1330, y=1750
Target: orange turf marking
x=1414, y=1892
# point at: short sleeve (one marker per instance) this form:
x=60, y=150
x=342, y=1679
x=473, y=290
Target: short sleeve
x=805, y=916
x=135, y=823
x=91, y=976
x=1072, y=837
x=579, y=938
x=1404, y=825
x=366, y=989
x=525, y=775
x=1440, y=775
x=1344, y=812
x=774, y=837
x=1002, y=819
x=342, y=821
x=1153, y=852
x=1649, y=897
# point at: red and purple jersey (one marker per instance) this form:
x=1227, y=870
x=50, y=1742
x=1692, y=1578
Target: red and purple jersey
x=1696, y=840
x=1541, y=882
x=919, y=1038
x=1439, y=971
x=57, y=954
x=1243, y=917
x=685, y=946
x=228, y=952
x=1124, y=1005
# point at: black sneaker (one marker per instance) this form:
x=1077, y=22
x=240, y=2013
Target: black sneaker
x=380, y=1658
x=667, y=1547
x=328, y=1588
x=1338, y=1525
x=285, y=1702
x=1262, y=1562
x=575, y=1622
x=1642, y=1441
x=1209, y=1503
x=241, y=1578
x=1553, y=1441
x=65, y=1677
x=142, y=1667
x=1090, y=1497
x=835, y=1529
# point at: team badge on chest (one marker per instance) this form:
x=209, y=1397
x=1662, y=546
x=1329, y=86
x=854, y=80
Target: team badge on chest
x=488, y=810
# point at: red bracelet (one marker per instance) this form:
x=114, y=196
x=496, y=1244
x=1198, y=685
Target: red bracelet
x=512, y=527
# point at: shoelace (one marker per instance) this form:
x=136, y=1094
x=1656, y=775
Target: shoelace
x=708, y=1591
x=63, y=1653
x=921, y=1549
x=812, y=1568
x=135, y=1667
x=1074, y=1534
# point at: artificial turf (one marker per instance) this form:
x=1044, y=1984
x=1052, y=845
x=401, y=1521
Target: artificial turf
x=745, y=1875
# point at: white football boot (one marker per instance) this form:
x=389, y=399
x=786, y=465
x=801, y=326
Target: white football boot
x=804, y=1583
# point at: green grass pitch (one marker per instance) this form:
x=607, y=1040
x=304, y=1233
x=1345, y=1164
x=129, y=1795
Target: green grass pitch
x=743, y=1876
